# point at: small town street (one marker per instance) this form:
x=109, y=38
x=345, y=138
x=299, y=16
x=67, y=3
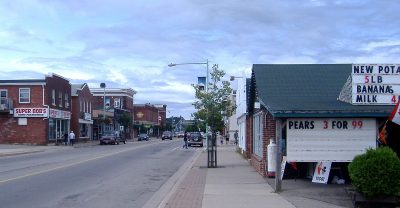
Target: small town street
x=125, y=175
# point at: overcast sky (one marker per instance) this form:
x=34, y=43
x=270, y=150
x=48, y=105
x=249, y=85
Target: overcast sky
x=129, y=43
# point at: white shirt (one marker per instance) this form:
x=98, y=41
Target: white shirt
x=71, y=135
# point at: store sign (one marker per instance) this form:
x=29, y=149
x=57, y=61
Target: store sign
x=321, y=173
x=87, y=116
x=375, y=84
x=330, y=139
x=55, y=113
x=31, y=112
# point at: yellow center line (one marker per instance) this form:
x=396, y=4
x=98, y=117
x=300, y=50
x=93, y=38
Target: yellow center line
x=72, y=164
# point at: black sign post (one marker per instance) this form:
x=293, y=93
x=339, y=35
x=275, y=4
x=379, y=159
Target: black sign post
x=212, y=150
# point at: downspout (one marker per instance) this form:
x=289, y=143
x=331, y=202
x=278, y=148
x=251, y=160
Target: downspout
x=48, y=114
x=48, y=107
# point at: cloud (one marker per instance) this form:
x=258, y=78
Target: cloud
x=130, y=43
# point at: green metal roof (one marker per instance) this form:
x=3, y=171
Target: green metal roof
x=308, y=90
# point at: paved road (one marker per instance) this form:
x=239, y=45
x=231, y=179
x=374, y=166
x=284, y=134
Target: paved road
x=96, y=176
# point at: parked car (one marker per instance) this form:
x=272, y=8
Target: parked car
x=143, y=137
x=195, y=138
x=180, y=134
x=166, y=135
x=109, y=138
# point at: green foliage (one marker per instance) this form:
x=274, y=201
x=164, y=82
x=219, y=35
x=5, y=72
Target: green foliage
x=125, y=120
x=214, y=105
x=376, y=172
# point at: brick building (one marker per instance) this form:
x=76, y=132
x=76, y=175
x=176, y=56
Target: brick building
x=115, y=103
x=148, y=118
x=81, y=118
x=35, y=111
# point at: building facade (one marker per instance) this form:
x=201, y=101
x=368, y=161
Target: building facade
x=299, y=109
x=35, y=111
x=147, y=119
x=112, y=109
x=81, y=118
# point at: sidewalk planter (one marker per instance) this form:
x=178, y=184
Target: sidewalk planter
x=375, y=176
x=359, y=200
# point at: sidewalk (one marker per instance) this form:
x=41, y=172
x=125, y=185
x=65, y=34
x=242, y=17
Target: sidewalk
x=235, y=183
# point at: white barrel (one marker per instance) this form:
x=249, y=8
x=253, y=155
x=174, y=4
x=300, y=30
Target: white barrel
x=271, y=165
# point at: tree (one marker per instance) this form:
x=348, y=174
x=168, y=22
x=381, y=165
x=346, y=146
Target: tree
x=213, y=106
x=125, y=120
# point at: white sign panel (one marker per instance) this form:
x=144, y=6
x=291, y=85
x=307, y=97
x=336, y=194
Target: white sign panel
x=87, y=116
x=330, y=139
x=321, y=173
x=375, y=84
x=54, y=113
x=31, y=112
x=283, y=166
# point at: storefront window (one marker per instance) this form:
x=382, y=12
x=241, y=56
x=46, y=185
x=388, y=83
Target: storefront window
x=83, y=129
x=257, y=138
x=52, y=129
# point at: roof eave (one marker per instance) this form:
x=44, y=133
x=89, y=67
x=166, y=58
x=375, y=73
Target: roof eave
x=328, y=114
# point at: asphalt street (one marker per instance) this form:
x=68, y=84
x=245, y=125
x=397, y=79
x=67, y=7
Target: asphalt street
x=125, y=175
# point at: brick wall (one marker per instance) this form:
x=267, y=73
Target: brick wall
x=249, y=136
x=84, y=96
x=33, y=133
x=268, y=133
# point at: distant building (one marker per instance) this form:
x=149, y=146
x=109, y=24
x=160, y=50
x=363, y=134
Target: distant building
x=149, y=118
x=176, y=124
x=118, y=102
x=81, y=119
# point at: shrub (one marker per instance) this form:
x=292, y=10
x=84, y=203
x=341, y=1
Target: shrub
x=376, y=172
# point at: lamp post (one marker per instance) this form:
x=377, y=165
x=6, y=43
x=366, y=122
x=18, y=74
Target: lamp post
x=196, y=63
x=193, y=63
x=103, y=85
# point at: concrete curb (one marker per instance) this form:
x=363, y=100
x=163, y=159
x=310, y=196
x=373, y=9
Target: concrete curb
x=162, y=196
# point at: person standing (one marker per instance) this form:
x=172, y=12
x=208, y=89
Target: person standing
x=66, y=138
x=185, y=139
x=71, y=138
x=236, y=135
x=227, y=138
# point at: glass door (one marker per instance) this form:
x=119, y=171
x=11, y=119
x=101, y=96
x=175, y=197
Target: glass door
x=59, y=132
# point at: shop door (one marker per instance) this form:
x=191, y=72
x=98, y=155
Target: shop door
x=59, y=132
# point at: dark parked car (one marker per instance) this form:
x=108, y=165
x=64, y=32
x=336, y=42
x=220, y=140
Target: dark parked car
x=143, y=137
x=195, y=138
x=109, y=138
x=166, y=135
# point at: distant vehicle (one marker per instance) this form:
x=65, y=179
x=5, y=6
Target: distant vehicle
x=109, y=138
x=143, y=137
x=195, y=138
x=166, y=135
x=180, y=134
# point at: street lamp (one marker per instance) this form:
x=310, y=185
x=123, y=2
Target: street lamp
x=103, y=85
x=196, y=63
x=193, y=63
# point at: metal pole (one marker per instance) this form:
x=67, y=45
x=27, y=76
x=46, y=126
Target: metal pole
x=104, y=111
x=278, y=173
x=207, y=92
